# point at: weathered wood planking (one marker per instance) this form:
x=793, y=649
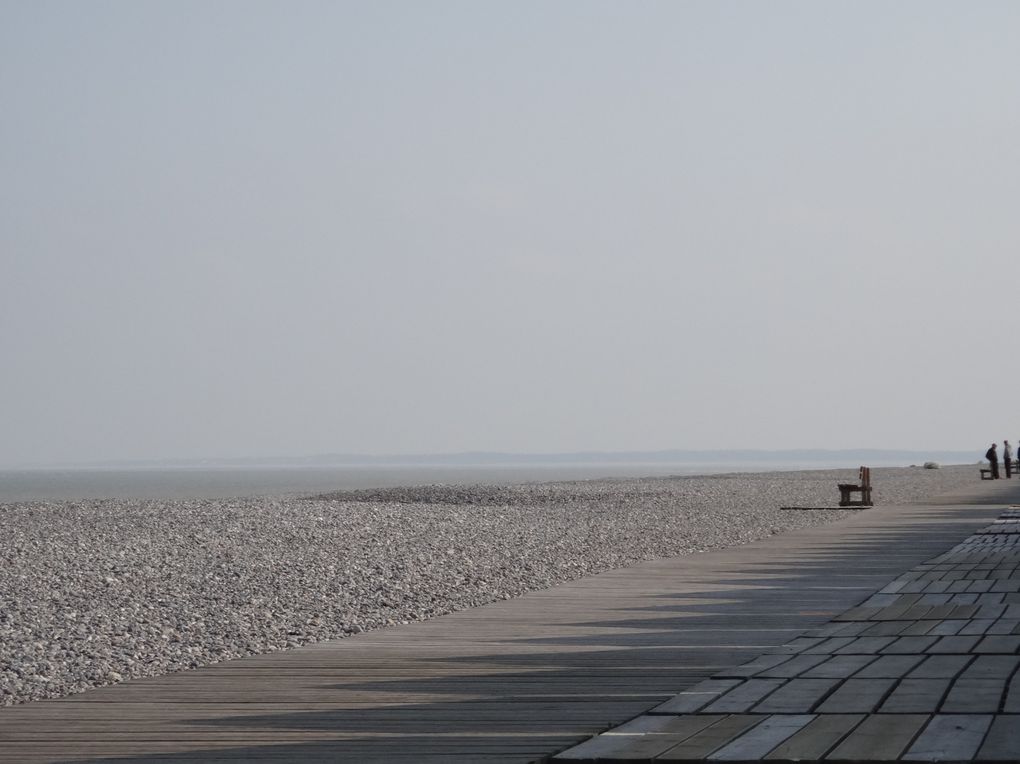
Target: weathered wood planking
x=513, y=681
x=955, y=699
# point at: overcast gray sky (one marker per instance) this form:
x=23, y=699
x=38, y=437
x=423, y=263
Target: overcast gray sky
x=266, y=228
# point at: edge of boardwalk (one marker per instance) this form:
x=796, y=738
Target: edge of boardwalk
x=922, y=670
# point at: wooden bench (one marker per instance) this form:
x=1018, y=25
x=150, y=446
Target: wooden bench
x=864, y=489
x=986, y=473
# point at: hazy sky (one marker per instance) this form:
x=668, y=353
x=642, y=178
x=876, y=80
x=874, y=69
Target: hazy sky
x=259, y=228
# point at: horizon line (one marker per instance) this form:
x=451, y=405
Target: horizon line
x=460, y=458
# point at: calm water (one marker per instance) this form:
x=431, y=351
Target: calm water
x=211, y=483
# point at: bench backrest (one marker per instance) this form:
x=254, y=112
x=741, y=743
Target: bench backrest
x=865, y=477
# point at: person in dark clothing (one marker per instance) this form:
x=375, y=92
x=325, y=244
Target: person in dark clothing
x=1007, y=458
x=993, y=459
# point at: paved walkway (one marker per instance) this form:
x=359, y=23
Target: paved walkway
x=520, y=680
x=923, y=670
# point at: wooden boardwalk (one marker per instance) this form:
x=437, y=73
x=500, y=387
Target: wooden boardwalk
x=923, y=670
x=515, y=681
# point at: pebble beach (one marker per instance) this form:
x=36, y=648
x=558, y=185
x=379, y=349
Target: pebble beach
x=93, y=593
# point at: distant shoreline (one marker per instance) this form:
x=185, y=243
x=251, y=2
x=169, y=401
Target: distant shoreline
x=222, y=482
x=803, y=457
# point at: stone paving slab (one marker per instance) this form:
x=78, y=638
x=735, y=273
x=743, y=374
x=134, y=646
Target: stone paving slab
x=926, y=669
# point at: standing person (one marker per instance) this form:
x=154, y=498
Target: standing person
x=1007, y=459
x=993, y=459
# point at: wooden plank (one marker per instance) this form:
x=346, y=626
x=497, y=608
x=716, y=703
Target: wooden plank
x=916, y=696
x=998, y=644
x=828, y=646
x=1003, y=626
x=940, y=612
x=991, y=667
x=893, y=613
x=1012, y=703
x=894, y=587
x=831, y=629
x=879, y=737
x=711, y=739
x=955, y=644
x=866, y=645
x=1003, y=740
x=964, y=612
x=885, y=629
x=644, y=744
x=743, y=696
x=852, y=628
x=918, y=628
x=793, y=667
x=974, y=696
x=762, y=738
x=857, y=614
x=799, y=645
x=990, y=598
x=890, y=666
x=797, y=696
x=749, y=669
x=961, y=597
x=816, y=739
x=950, y=737
x=881, y=600
x=647, y=723
x=918, y=612
x=941, y=667
x=696, y=697
x=990, y=611
x=909, y=645
x=856, y=696
x=839, y=667
x=976, y=626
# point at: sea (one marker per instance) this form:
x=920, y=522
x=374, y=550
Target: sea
x=227, y=482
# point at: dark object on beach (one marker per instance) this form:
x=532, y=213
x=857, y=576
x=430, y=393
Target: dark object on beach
x=993, y=459
x=845, y=489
